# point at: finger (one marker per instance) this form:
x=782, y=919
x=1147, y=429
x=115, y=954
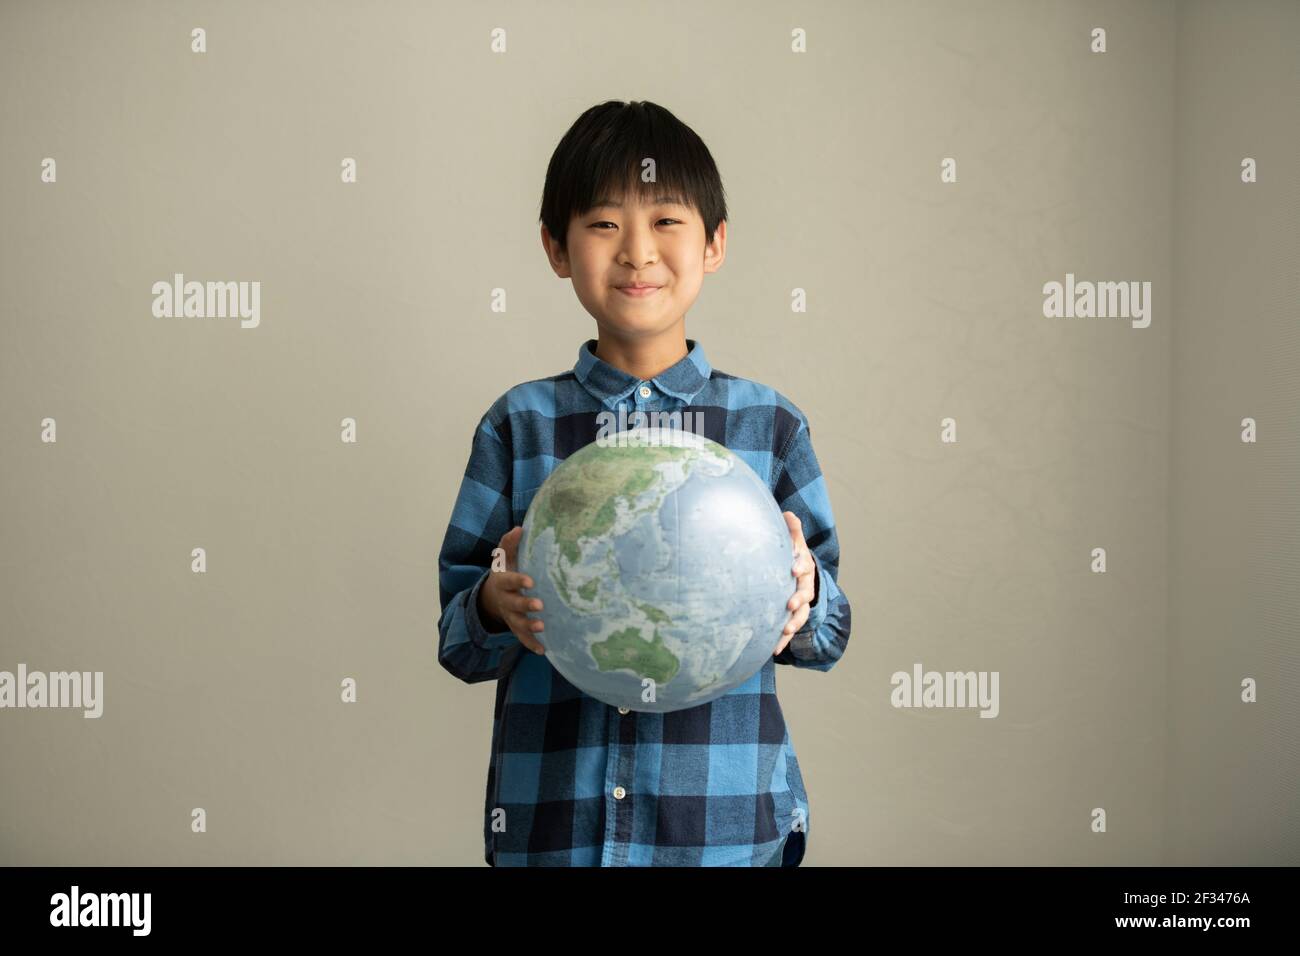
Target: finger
x=806, y=591
x=795, y=525
x=521, y=604
x=780, y=645
x=512, y=581
x=803, y=594
x=530, y=642
x=797, y=620
x=510, y=544
x=803, y=564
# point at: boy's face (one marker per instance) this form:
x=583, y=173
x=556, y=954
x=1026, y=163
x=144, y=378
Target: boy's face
x=625, y=242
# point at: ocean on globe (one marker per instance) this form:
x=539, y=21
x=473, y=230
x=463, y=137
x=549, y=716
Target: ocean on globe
x=657, y=554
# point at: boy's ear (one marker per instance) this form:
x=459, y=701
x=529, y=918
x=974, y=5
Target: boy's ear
x=556, y=255
x=716, y=251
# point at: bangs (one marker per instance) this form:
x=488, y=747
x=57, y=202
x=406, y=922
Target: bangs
x=609, y=151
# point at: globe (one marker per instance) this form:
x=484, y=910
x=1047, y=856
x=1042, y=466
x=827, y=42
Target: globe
x=664, y=568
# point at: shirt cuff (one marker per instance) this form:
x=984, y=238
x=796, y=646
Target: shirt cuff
x=478, y=634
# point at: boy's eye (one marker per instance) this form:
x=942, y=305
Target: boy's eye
x=606, y=222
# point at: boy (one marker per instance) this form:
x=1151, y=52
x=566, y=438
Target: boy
x=573, y=781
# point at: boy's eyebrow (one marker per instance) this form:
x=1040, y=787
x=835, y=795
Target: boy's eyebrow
x=659, y=200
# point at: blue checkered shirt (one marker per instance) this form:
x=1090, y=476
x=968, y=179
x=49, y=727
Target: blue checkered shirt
x=573, y=781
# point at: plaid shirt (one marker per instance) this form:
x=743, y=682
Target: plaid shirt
x=573, y=781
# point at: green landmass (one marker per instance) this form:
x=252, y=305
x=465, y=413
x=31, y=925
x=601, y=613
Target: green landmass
x=628, y=650
x=588, y=591
x=652, y=612
x=562, y=584
x=581, y=499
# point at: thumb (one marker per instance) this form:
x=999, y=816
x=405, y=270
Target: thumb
x=510, y=544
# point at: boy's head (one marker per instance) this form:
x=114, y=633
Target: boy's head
x=632, y=195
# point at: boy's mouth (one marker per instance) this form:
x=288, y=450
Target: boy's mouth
x=638, y=290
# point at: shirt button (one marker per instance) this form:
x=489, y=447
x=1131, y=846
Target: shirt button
x=645, y=391
x=619, y=793
x=622, y=710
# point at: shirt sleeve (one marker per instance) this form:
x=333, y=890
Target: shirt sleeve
x=479, y=519
x=800, y=488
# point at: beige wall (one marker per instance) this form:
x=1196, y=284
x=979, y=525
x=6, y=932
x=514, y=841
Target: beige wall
x=1231, y=781
x=1117, y=690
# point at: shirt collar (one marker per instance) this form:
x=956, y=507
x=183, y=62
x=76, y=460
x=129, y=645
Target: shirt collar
x=609, y=384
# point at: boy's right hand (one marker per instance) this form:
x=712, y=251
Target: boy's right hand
x=501, y=604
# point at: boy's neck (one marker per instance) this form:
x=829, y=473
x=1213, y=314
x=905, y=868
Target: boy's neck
x=643, y=358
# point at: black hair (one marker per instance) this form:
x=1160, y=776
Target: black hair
x=600, y=158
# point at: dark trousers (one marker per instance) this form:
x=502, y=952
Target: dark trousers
x=794, y=847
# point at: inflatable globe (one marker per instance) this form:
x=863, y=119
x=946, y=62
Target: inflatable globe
x=664, y=568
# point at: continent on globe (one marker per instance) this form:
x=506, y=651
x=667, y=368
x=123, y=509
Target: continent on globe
x=628, y=650
x=583, y=500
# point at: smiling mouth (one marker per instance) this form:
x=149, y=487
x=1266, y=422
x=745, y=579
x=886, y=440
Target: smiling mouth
x=638, y=291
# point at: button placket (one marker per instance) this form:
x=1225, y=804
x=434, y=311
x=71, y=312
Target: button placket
x=621, y=766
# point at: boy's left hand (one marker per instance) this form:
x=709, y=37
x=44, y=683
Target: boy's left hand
x=805, y=575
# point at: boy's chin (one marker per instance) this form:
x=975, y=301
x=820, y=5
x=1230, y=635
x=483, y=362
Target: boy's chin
x=636, y=321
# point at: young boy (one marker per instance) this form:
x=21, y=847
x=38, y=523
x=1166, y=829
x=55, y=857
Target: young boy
x=573, y=781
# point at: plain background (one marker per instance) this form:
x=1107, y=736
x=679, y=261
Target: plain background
x=1118, y=690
